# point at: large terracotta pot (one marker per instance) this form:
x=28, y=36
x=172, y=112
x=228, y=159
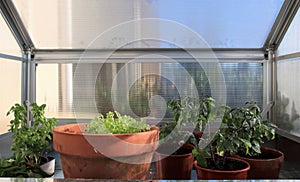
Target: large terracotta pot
x=265, y=168
x=176, y=167
x=104, y=156
x=210, y=174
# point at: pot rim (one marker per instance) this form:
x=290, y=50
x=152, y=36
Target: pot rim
x=266, y=149
x=223, y=171
x=61, y=129
x=175, y=156
x=172, y=155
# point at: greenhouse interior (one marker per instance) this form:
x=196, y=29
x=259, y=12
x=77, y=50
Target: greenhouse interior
x=150, y=89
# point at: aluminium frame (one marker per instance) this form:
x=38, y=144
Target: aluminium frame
x=14, y=22
x=32, y=56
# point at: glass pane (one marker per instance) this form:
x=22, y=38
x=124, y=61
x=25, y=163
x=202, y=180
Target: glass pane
x=290, y=43
x=8, y=44
x=47, y=88
x=76, y=24
x=10, y=74
x=10, y=92
x=145, y=86
x=288, y=100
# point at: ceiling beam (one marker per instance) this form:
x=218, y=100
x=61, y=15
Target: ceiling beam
x=282, y=23
x=144, y=55
x=14, y=21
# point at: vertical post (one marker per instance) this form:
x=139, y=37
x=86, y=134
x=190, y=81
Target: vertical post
x=28, y=82
x=32, y=78
x=24, y=78
x=274, y=87
x=268, y=99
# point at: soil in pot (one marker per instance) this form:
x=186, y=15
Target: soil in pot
x=266, y=165
x=233, y=169
x=172, y=149
x=230, y=164
x=175, y=165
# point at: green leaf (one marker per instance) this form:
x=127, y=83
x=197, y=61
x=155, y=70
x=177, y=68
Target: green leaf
x=201, y=155
x=236, y=142
x=256, y=148
x=245, y=142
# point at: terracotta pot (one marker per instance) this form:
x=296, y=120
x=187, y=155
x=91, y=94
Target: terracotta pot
x=208, y=174
x=265, y=168
x=175, y=167
x=104, y=156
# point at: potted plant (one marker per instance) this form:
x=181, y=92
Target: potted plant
x=109, y=147
x=215, y=161
x=253, y=131
x=30, y=144
x=174, y=159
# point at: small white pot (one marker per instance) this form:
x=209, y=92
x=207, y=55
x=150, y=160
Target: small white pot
x=49, y=167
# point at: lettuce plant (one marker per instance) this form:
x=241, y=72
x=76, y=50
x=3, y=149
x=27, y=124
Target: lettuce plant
x=115, y=123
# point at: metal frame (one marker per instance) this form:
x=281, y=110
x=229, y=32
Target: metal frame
x=7, y=56
x=278, y=31
x=125, y=55
x=288, y=56
x=282, y=22
x=31, y=56
x=13, y=20
x=288, y=135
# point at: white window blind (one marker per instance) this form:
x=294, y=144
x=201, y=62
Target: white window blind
x=150, y=84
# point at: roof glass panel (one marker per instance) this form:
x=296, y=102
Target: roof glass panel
x=8, y=43
x=288, y=44
x=76, y=23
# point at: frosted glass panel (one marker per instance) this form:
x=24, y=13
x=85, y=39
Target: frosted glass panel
x=152, y=83
x=288, y=100
x=8, y=44
x=291, y=41
x=76, y=23
x=10, y=92
x=10, y=74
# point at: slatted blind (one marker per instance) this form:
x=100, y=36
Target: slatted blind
x=142, y=89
